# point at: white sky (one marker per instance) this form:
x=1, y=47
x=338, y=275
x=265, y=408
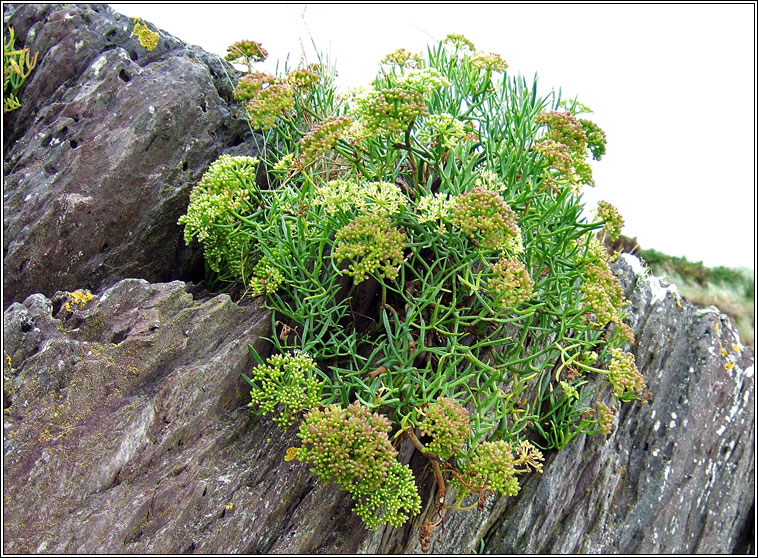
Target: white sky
x=673, y=86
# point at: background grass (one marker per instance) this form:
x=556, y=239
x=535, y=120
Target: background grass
x=732, y=290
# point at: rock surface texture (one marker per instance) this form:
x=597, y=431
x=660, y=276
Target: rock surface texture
x=100, y=158
x=126, y=431
x=126, y=428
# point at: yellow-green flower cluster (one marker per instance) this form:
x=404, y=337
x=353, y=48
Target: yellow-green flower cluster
x=612, y=219
x=373, y=245
x=267, y=278
x=380, y=198
x=345, y=196
x=493, y=467
x=265, y=97
x=349, y=447
x=222, y=189
x=596, y=140
x=569, y=390
x=557, y=156
x=393, y=502
x=442, y=128
x=583, y=171
x=286, y=380
x=605, y=417
x=625, y=332
x=434, y=207
x=323, y=137
x=529, y=456
x=338, y=196
x=459, y=42
x=491, y=62
x=565, y=129
x=424, y=80
x=510, y=284
x=574, y=106
x=602, y=293
x=390, y=111
x=623, y=374
x=484, y=214
x=246, y=51
x=447, y=422
x=285, y=163
x=488, y=180
x=403, y=58
x=302, y=78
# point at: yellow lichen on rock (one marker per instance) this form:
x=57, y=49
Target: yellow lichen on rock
x=78, y=298
x=147, y=38
x=291, y=454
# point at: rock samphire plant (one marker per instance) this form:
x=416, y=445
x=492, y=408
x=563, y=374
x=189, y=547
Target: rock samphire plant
x=17, y=66
x=422, y=247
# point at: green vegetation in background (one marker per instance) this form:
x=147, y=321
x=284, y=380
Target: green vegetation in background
x=729, y=289
x=17, y=66
x=421, y=245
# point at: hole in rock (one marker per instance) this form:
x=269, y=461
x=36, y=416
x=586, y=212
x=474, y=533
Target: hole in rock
x=125, y=77
x=120, y=336
x=74, y=144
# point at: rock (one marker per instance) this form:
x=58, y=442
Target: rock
x=101, y=157
x=127, y=431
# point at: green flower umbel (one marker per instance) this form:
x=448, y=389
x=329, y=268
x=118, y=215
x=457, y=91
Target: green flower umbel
x=288, y=381
x=224, y=189
x=484, y=216
x=510, y=284
x=493, y=467
x=447, y=422
x=373, y=245
x=612, y=219
x=623, y=374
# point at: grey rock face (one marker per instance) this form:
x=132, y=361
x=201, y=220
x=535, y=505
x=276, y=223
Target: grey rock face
x=127, y=431
x=101, y=157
